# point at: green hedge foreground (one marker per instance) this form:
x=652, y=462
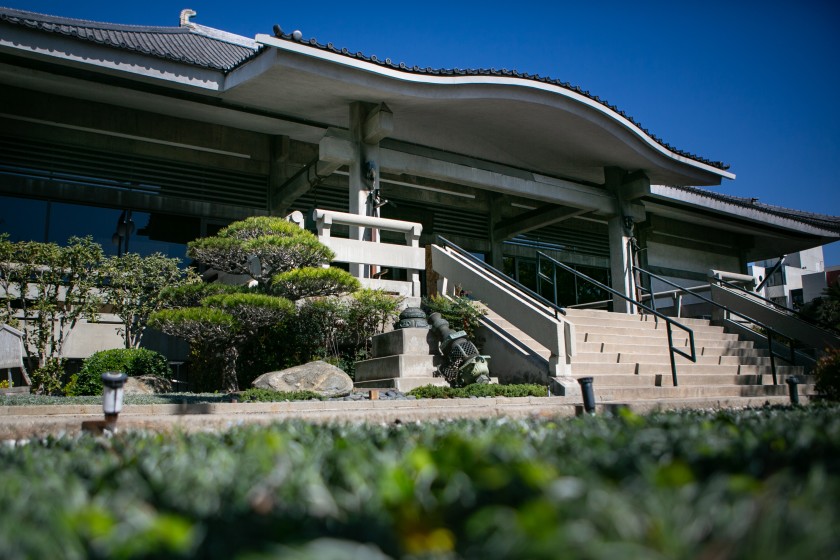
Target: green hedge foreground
x=760, y=483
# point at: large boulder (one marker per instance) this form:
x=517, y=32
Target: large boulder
x=318, y=377
x=147, y=385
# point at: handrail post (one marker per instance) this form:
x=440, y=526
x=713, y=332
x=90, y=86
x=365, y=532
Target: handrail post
x=772, y=357
x=671, y=352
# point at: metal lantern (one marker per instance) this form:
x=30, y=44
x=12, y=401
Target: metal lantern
x=412, y=318
x=112, y=394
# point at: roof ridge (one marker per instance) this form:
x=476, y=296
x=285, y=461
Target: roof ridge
x=297, y=37
x=61, y=20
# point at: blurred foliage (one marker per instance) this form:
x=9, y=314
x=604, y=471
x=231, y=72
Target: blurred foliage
x=134, y=362
x=755, y=483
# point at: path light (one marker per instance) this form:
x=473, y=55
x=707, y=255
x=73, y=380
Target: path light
x=113, y=383
x=112, y=394
x=793, y=388
x=588, y=395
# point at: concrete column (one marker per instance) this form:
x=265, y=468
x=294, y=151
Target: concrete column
x=621, y=265
x=358, y=180
x=620, y=229
x=278, y=172
x=496, y=247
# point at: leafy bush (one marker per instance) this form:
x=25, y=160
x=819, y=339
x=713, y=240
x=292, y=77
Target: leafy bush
x=267, y=395
x=133, y=362
x=757, y=483
x=479, y=390
x=827, y=372
x=462, y=313
x=50, y=377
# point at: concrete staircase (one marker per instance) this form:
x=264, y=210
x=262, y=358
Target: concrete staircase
x=627, y=355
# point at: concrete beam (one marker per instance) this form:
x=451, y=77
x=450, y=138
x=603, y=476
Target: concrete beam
x=300, y=184
x=378, y=125
x=535, y=219
x=546, y=189
x=636, y=185
x=334, y=150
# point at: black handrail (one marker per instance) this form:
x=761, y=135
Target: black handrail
x=668, y=320
x=501, y=275
x=767, y=330
x=799, y=315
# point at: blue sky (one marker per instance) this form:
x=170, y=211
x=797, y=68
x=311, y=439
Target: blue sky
x=753, y=84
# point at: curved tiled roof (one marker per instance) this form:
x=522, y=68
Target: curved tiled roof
x=189, y=44
x=296, y=37
x=824, y=221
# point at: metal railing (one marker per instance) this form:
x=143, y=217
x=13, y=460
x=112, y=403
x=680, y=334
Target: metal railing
x=793, y=312
x=669, y=322
x=501, y=276
x=768, y=331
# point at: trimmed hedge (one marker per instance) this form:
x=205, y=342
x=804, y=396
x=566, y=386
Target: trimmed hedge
x=131, y=361
x=479, y=390
x=267, y=395
x=758, y=483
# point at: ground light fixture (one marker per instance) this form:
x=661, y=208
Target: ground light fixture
x=113, y=393
x=588, y=395
x=793, y=388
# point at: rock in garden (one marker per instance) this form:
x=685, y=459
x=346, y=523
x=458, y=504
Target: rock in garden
x=147, y=385
x=319, y=377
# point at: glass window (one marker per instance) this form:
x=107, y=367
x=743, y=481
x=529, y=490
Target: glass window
x=40, y=220
x=23, y=219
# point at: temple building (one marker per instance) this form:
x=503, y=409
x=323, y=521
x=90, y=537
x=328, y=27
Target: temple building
x=176, y=131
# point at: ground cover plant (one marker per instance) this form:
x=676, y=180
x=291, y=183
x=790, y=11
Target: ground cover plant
x=758, y=483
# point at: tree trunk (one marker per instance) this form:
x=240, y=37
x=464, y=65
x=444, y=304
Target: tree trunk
x=229, y=381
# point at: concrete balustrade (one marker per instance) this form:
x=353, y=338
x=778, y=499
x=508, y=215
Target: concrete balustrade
x=409, y=256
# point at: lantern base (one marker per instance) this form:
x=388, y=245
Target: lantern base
x=97, y=427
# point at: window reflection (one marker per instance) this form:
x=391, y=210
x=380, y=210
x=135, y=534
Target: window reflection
x=38, y=220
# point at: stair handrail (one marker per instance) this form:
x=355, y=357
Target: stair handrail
x=798, y=314
x=669, y=322
x=499, y=275
x=767, y=330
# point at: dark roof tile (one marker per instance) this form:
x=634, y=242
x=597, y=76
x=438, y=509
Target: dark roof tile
x=824, y=221
x=189, y=44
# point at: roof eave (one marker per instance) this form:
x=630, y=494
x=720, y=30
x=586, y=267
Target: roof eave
x=394, y=72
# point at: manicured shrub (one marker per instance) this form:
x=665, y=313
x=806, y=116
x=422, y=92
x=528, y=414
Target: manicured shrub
x=479, y=390
x=313, y=281
x=827, y=372
x=267, y=395
x=131, y=361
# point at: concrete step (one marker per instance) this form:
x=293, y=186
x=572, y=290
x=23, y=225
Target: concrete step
x=662, y=348
x=641, y=406
x=590, y=315
x=402, y=365
x=664, y=358
x=641, y=339
x=631, y=394
x=598, y=326
x=727, y=379
x=660, y=331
